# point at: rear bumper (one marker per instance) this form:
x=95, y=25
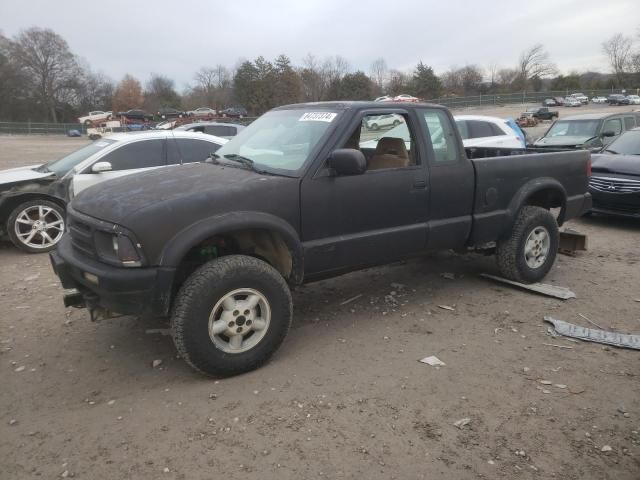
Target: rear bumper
x=128, y=291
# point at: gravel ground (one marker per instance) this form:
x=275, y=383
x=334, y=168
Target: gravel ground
x=345, y=396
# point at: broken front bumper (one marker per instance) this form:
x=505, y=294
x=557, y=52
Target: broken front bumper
x=127, y=291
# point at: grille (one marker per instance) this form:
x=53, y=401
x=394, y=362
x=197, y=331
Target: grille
x=615, y=185
x=81, y=236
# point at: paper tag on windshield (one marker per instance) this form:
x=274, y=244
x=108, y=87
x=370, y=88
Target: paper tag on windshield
x=318, y=117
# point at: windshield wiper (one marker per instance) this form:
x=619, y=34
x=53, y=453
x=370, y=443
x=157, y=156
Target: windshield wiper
x=240, y=159
x=611, y=151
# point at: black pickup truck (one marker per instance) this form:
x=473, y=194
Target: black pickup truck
x=306, y=192
x=543, y=113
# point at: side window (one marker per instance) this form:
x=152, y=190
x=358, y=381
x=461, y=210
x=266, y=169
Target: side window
x=629, y=123
x=443, y=138
x=496, y=130
x=220, y=130
x=189, y=150
x=385, y=140
x=614, y=125
x=142, y=154
x=480, y=129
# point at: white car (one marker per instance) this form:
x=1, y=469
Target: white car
x=385, y=98
x=95, y=116
x=203, y=112
x=383, y=121
x=581, y=97
x=599, y=100
x=572, y=102
x=482, y=131
x=129, y=153
x=405, y=98
x=634, y=99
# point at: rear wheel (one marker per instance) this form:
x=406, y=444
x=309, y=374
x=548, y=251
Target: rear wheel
x=529, y=252
x=36, y=226
x=231, y=315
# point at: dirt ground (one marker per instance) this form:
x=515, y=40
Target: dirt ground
x=345, y=396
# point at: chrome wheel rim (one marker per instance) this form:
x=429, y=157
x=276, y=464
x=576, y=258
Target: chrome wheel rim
x=536, y=247
x=239, y=321
x=39, y=226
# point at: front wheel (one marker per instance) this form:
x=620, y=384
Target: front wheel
x=36, y=226
x=529, y=252
x=231, y=315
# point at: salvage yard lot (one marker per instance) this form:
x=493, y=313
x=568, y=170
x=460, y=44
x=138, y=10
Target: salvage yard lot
x=345, y=396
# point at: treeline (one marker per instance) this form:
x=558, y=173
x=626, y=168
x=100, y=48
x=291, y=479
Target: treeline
x=41, y=79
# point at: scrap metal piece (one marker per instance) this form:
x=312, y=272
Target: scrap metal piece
x=593, y=335
x=543, y=288
x=571, y=242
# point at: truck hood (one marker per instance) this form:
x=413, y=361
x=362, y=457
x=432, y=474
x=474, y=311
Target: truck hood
x=22, y=174
x=176, y=191
x=563, y=141
x=621, y=164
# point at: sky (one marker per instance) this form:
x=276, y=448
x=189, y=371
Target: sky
x=177, y=37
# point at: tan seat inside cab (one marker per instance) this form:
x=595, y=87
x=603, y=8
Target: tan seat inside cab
x=390, y=153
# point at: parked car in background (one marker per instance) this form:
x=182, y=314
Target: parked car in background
x=169, y=112
x=572, y=102
x=633, y=99
x=405, y=98
x=599, y=100
x=234, y=112
x=581, y=97
x=222, y=130
x=615, y=178
x=377, y=122
x=33, y=199
x=617, y=99
x=559, y=100
x=549, y=102
x=136, y=114
x=543, y=113
x=384, y=98
x=167, y=124
x=589, y=131
x=202, y=112
x=94, y=116
x=483, y=131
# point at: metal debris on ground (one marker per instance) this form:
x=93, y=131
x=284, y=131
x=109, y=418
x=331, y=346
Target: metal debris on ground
x=433, y=361
x=463, y=422
x=592, y=335
x=448, y=276
x=543, y=288
x=447, y=307
x=571, y=242
x=352, y=299
x=557, y=346
x=591, y=321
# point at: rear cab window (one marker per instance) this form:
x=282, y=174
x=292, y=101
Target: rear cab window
x=438, y=128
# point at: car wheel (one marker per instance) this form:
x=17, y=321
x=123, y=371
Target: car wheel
x=36, y=226
x=396, y=123
x=529, y=252
x=375, y=126
x=231, y=315
x=87, y=123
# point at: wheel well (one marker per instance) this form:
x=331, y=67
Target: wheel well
x=548, y=198
x=264, y=244
x=13, y=201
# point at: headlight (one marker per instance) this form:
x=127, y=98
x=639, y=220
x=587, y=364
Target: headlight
x=117, y=249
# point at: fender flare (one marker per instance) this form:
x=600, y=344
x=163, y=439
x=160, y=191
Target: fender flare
x=531, y=188
x=184, y=240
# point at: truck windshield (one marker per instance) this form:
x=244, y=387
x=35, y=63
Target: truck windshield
x=280, y=139
x=63, y=165
x=574, y=128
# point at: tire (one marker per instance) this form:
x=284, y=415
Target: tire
x=396, y=123
x=200, y=302
x=375, y=126
x=87, y=123
x=36, y=226
x=535, y=231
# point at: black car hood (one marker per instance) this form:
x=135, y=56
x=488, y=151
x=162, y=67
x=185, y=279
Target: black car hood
x=620, y=164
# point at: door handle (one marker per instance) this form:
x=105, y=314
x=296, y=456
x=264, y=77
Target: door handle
x=419, y=184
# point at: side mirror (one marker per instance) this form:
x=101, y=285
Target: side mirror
x=347, y=161
x=608, y=133
x=101, y=167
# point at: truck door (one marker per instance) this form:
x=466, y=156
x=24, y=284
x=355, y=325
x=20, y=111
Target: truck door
x=451, y=181
x=371, y=218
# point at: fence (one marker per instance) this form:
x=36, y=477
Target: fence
x=506, y=98
x=40, y=128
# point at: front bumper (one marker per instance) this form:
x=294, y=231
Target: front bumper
x=618, y=204
x=127, y=291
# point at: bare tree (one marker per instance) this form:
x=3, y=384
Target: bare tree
x=618, y=51
x=534, y=63
x=379, y=72
x=45, y=58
